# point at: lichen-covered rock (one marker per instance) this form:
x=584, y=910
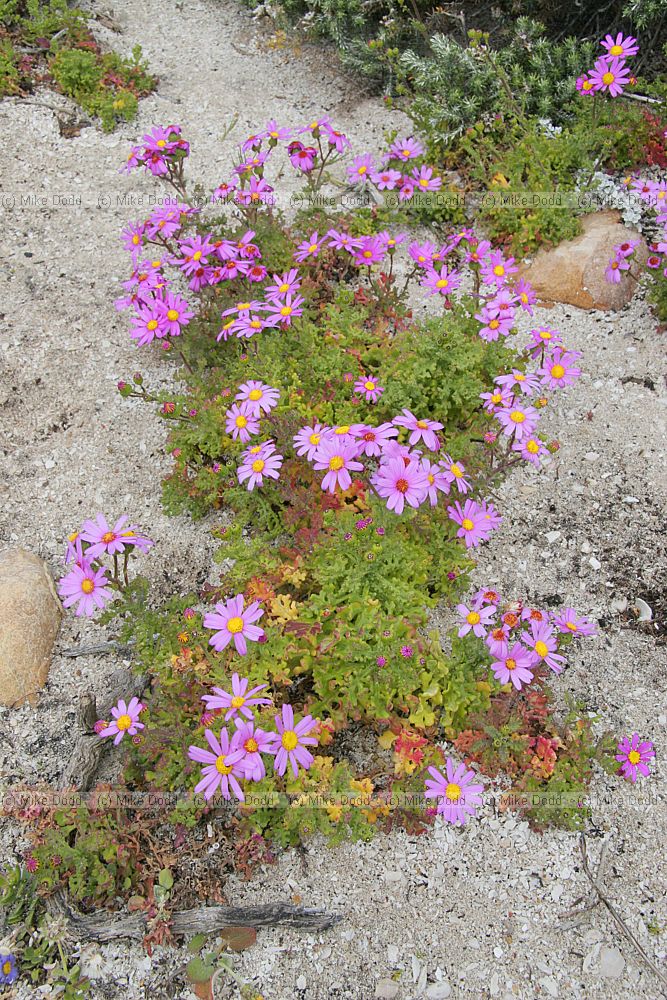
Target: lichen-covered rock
x=573, y=272
x=30, y=614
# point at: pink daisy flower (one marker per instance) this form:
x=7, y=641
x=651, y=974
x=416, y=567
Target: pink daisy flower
x=254, y=742
x=254, y=468
x=368, y=387
x=570, y=623
x=241, y=422
x=458, y=794
x=558, y=369
x=398, y=484
x=441, y=282
x=516, y=379
x=283, y=284
x=232, y=622
x=496, y=269
x=406, y=149
x=111, y=541
x=425, y=180
x=514, y=667
x=370, y=251
x=338, y=458
x=125, y=720
x=284, y=311
x=222, y=765
x=361, y=168
x=519, y=420
x=532, y=450
x=542, y=338
x=544, y=645
x=611, y=75
x=309, y=248
x=472, y=525
x=386, y=180
x=149, y=324
x=175, y=313
x=423, y=254
x=615, y=269
x=455, y=473
x=493, y=327
x=584, y=84
x=308, y=439
x=342, y=241
x=373, y=440
x=86, y=585
x=420, y=430
x=302, y=157
x=620, y=47
x=475, y=619
x=437, y=480
x=634, y=755
x=525, y=294
x=240, y=700
x=261, y=397
x=290, y=742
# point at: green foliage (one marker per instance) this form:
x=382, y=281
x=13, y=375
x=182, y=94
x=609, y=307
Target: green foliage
x=106, y=86
x=9, y=73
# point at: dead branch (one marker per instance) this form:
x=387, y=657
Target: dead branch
x=102, y=926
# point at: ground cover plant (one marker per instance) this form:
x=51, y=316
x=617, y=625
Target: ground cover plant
x=344, y=443
x=49, y=42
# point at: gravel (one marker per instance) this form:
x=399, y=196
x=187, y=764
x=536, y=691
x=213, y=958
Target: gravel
x=465, y=913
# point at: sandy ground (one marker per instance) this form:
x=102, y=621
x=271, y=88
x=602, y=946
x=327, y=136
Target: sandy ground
x=472, y=913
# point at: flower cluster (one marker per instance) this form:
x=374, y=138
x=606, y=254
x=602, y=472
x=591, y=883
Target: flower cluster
x=620, y=261
x=235, y=756
x=610, y=74
x=159, y=150
x=87, y=584
x=517, y=398
x=520, y=638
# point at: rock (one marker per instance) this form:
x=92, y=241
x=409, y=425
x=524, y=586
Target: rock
x=30, y=614
x=573, y=272
x=438, y=991
x=612, y=963
x=386, y=989
x=301, y=983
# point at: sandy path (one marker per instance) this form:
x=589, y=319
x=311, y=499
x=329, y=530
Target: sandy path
x=476, y=910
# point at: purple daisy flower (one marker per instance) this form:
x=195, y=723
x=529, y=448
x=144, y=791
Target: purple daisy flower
x=399, y=483
x=241, y=421
x=283, y=284
x=337, y=456
x=634, y=756
x=475, y=619
x=558, y=369
x=254, y=468
x=125, y=720
x=473, y=527
x=284, y=311
x=309, y=248
x=240, y=700
x=514, y=667
x=373, y=440
x=361, y=168
x=232, y=622
x=458, y=794
x=420, y=430
x=112, y=541
x=308, y=439
x=9, y=972
x=86, y=585
x=611, y=75
x=532, y=450
x=254, y=742
x=441, y=282
x=455, y=472
x=437, y=480
x=261, y=397
x=544, y=644
x=290, y=742
x=368, y=386
x=175, y=313
x=222, y=765
x=518, y=420
x=570, y=623
x=406, y=149
x=620, y=47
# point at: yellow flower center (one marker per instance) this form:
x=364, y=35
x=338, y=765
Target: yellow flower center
x=172, y=315
x=241, y=421
x=442, y=283
x=152, y=324
x=473, y=618
x=283, y=288
x=402, y=485
x=255, y=324
x=314, y=438
x=557, y=371
x=431, y=479
x=572, y=627
x=73, y=537
x=251, y=745
x=136, y=239
x=499, y=270
x=235, y=625
x=510, y=664
x=494, y=324
x=108, y=536
x=87, y=586
x=616, y=50
x=197, y=255
x=369, y=386
x=220, y=765
x=541, y=648
x=156, y=263
x=608, y=78
x=312, y=248
x=237, y=701
x=289, y=739
x=422, y=424
x=336, y=463
x=123, y=722
x=367, y=254
x=362, y=170
x=634, y=757
x=406, y=152
x=517, y=417
x=532, y=446
x=455, y=471
x=423, y=182
x=286, y=310
x=255, y=394
x=6, y=968
x=467, y=524
x=343, y=429
x=587, y=85
x=453, y=792
x=258, y=465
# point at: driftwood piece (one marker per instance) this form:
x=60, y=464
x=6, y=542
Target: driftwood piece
x=82, y=765
x=102, y=926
